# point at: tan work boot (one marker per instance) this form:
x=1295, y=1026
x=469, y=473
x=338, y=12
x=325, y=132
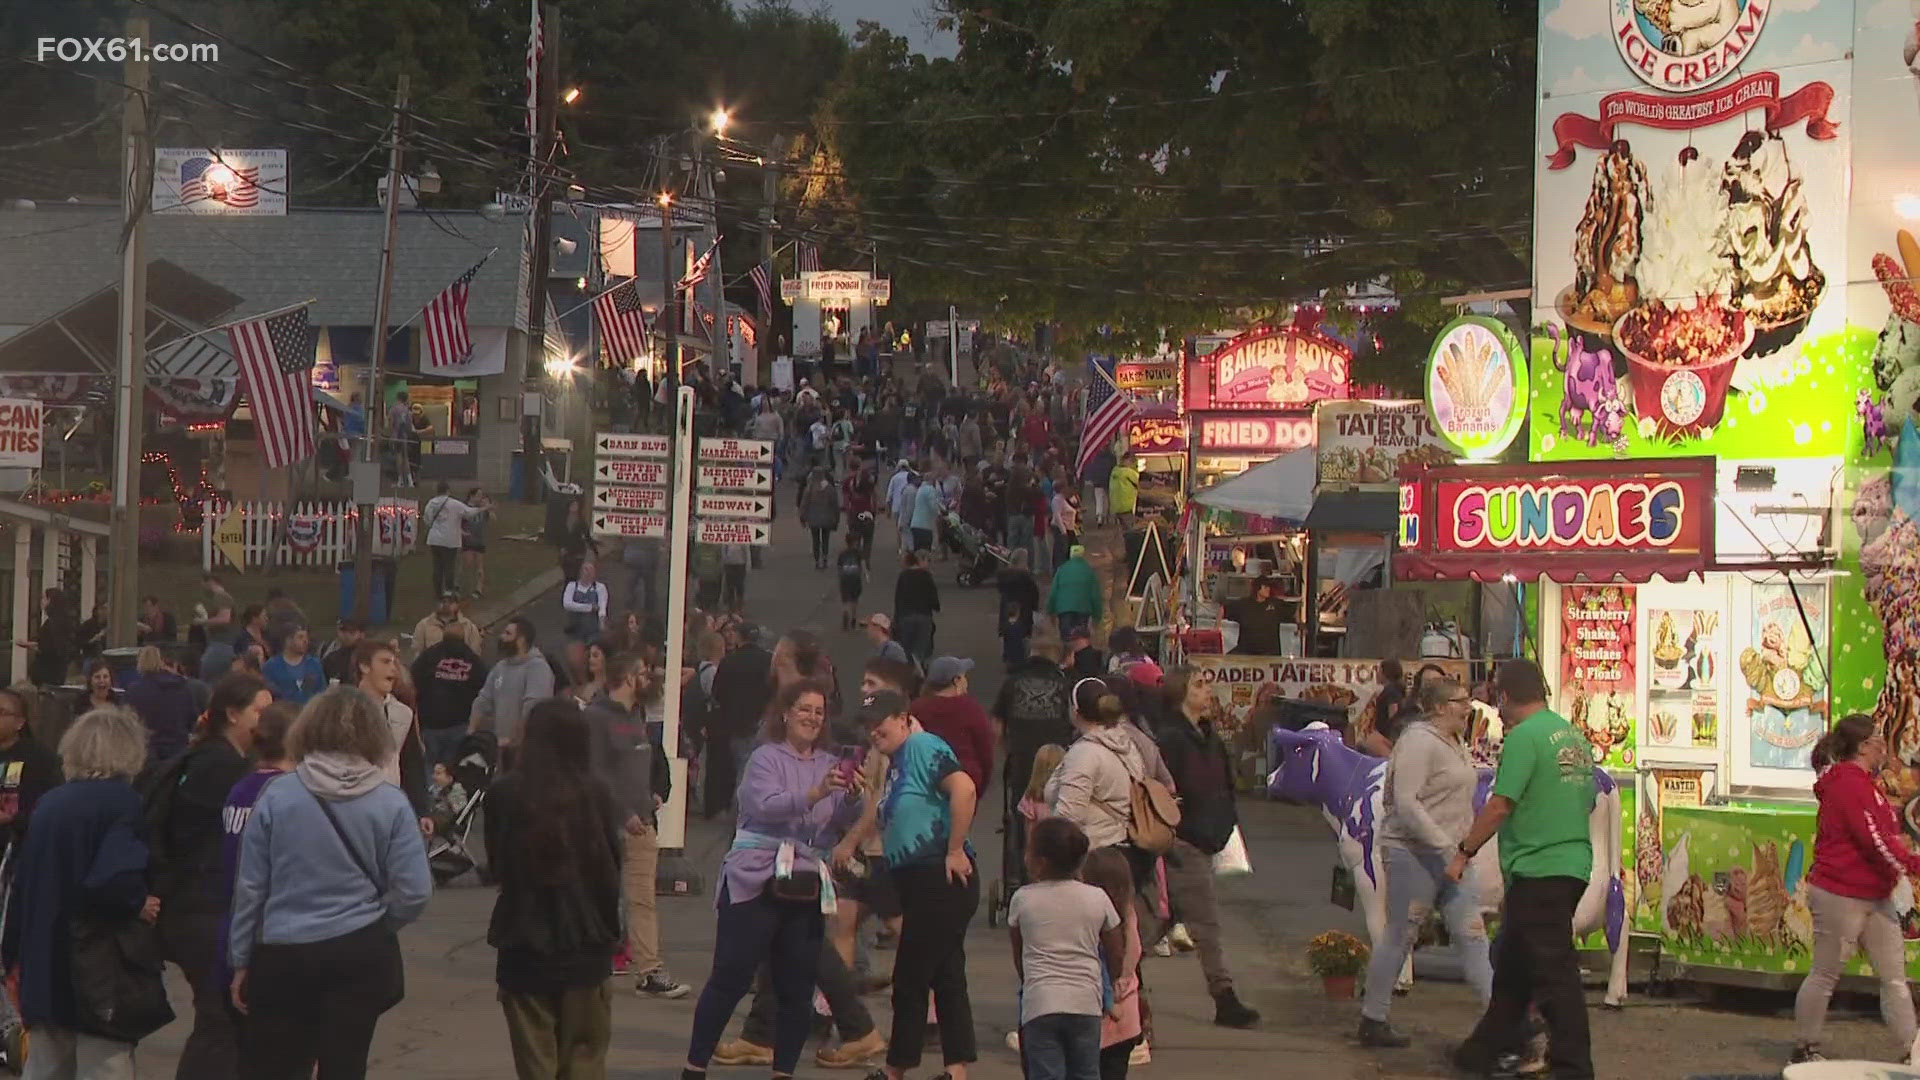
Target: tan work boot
x=853, y=1055
x=742, y=1052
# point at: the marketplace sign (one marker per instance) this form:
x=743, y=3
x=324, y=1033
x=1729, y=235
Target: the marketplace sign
x=1157, y=435
x=1275, y=368
x=1229, y=433
x=1476, y=386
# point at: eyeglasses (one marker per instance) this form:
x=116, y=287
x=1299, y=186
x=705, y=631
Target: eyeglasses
x=1460, y=700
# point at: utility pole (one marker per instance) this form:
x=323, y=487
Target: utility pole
x=769, y=203
x=136, y=179
x=669, y=296
x=366, y=480
x=540, y=258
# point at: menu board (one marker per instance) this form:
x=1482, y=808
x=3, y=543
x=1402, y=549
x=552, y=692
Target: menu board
x=1783, y=674
x=1683, y=698
x=1597, y=664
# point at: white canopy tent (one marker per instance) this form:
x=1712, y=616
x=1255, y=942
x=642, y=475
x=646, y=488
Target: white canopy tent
x=1281, y=488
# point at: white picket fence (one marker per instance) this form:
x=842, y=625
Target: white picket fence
x=318, y=535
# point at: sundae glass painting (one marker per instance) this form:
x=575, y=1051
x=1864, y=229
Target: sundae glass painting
x=1784, y=674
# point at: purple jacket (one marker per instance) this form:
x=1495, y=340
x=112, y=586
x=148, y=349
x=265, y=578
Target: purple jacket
x=773, y=802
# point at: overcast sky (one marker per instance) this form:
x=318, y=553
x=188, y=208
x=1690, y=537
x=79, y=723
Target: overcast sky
x=905, y=17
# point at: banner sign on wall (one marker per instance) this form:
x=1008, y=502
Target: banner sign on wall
x=1146, y=375
x=1229, y=433
x=221, y=183
x=1559, y=520
x=1157, y=435
x=1597, y=658
x=1367, y=443
x=20, y=433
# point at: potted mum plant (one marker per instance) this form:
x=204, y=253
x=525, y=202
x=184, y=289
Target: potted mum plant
x=1338, y=958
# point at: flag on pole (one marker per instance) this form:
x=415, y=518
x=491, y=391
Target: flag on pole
x=697, y=273
x=449, y=341
x=763, y=288
x=623, y=323
x=1107, y=412
x=806, y=257
x=276, y=354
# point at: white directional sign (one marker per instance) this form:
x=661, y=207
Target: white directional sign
x=732, y=532
x=624, y=471
x=737, y=451
x=646, y=526
x=735, y=477
x=636, y=499
x=719, y=505
x=618, y=445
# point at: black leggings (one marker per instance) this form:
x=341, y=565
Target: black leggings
x=932, y=956
x=822, y=542
x=317, y=1004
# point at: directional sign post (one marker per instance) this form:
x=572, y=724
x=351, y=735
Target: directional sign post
x=737, y=451
x=710, y=504
x=709, y=531
x=649, y=500
x=626, y=471
x=611, y=444
x=735, y=478
x=641, y=526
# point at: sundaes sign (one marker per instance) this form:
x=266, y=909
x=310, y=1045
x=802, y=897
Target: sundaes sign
x=1685, y=45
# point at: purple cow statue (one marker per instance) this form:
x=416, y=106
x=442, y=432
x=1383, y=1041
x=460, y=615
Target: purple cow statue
x=1315, y=767
x=1590, y=399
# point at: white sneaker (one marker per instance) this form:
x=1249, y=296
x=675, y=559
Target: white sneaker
x=1179, y=937
x=1161, y=948
x=1013, y=1040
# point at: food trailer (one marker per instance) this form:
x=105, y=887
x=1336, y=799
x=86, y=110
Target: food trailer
x=1722, y=559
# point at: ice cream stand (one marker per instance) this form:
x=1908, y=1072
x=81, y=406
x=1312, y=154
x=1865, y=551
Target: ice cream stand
x=1726, y=365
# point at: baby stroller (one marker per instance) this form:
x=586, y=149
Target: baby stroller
x=980, y=558
x=473, y=768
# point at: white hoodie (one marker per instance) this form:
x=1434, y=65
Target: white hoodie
x=1093, y=787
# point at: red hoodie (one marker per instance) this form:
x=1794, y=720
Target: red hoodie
x=1857, y=850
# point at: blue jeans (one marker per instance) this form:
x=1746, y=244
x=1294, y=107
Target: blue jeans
x=1071, y=622
x=1061, y=1046
x=788, y=935
x=1421, y=876
x=1020, y=535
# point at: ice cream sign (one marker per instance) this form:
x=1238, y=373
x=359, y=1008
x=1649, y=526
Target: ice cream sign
x=1275, y=368
x=1683, y=45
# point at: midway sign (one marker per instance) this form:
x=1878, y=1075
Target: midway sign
x=708, y=504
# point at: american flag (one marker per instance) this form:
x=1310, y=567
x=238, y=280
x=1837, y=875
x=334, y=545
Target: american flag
x=806, y=258
x=445, y=320
x=204, y=178
x=763, y=288
x=697, y=273
x=1108, y=412
x=623, y=324
x=275, y=354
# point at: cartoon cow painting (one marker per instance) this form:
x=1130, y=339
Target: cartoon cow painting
x=1317, y=768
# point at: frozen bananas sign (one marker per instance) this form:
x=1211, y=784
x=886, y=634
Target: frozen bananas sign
x=1477, y=386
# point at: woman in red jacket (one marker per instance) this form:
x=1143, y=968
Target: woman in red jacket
x=1858, y=858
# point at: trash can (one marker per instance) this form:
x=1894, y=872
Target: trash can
x=559, y=505
x=377, y=603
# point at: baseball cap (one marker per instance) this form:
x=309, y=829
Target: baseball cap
x=945, y=669
x=881, y=704
x=1076, y=551
x=1146, y=673
x=880, y=620
x=449, y=594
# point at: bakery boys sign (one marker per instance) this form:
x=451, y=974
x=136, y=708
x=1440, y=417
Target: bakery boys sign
x=1684, y=45
x=1271, y=368
x=1664, y=512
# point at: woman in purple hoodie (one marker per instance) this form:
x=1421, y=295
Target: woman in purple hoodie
x=794, y=805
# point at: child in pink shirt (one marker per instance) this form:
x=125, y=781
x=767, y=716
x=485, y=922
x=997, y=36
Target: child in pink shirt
x=1120, y=1029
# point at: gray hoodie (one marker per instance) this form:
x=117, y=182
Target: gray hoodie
x=1428, y=796
x=633, y=767
x=512, y=687
x=1093, y=787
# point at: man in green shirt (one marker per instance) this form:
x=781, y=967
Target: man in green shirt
x=1543, y=795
